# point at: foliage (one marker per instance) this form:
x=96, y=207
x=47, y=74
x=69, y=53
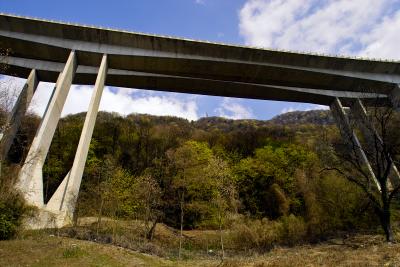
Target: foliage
x=12, y=212
x=264, y=234
x=140, y=167
x=266, y=181
x=13, y=209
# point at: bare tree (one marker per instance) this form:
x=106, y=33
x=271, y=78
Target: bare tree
x=369, y=162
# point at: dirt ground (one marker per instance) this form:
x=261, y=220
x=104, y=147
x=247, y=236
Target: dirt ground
x=48, y=250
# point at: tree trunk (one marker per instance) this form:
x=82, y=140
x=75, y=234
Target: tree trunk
x=99, y=215
x=386, y=224
x=385, y=214
x=220, y=235
x=150, y=234
x=181, y=237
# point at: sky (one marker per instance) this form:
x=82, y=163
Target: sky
x=361, y=28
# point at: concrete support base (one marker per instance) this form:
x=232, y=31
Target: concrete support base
x=47, y=219
x=59, y=211
x=30, y=181
x=53, y=214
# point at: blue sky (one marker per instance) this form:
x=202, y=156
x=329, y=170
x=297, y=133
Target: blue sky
x=358, y=27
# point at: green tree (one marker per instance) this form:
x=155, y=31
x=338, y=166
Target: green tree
x=224, y=198
x=190, y=160
x=266, y=181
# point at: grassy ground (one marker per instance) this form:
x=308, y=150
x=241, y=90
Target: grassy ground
x=57, y=251
x=46, y=250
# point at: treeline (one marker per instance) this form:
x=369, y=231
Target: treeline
x=249, y=176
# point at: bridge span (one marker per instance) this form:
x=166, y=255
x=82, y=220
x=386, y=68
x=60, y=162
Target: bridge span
x=64, y=53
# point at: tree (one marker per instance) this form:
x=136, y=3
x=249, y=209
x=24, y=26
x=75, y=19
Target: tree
x=266, y=181
x=190, y=181
x=374, y=171
x=147, y=195
x=224, y=197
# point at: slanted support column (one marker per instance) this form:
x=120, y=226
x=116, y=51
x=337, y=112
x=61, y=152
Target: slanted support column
x=30, y=181
x=373, y=140
x=14, y=120
x=395, y=97
x=350, y=137
x=64, y=199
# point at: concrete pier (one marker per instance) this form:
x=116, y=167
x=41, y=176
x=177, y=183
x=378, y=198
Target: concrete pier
x=374, y=143
x=64, y=199
x=18, y=112
x=395, y=97
x=351, y=139
x=30, y=181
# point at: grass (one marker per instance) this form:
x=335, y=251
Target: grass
x=47, y=250
x=58, y=251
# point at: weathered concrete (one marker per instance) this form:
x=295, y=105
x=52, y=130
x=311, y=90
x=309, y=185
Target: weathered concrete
x=125, y=78
x=14, y=120
x=395, y=97
x=64, y=199
x=195, y=64
x=194, y=61
x=351, y=139
x=30, y=180
x=374, y=144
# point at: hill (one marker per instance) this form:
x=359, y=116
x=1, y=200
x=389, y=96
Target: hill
x=318, y=117
x=215, y=173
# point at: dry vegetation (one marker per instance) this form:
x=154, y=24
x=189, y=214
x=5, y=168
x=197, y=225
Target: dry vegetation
x=43, y=249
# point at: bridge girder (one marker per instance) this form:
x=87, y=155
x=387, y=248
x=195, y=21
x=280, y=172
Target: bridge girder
x=125, y=59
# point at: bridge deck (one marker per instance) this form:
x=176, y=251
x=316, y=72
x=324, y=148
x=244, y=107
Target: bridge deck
x=180, y=65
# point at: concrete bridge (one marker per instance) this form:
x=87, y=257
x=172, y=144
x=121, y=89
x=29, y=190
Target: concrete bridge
x=64, y=53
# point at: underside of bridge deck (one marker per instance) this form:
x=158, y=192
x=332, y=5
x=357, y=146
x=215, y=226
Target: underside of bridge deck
x=67, y=53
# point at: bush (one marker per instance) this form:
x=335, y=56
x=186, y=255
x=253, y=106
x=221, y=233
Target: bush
x=12, y=211
x=293, y=229
x=261, y=235
x=248, y=234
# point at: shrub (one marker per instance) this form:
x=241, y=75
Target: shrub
x=12, y=211
x=293, y=229
x=261, y=235
x=248, y=234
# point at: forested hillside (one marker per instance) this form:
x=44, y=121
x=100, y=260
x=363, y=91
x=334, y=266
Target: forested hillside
x=319, y=117
x=264, y=182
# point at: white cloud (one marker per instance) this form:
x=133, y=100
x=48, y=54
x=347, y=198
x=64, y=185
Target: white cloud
x=125, y=102
x=356, y=27
x=77, y=100
x=383, y=40
x=121, y=100
x=200, y=2
x=230, y=109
